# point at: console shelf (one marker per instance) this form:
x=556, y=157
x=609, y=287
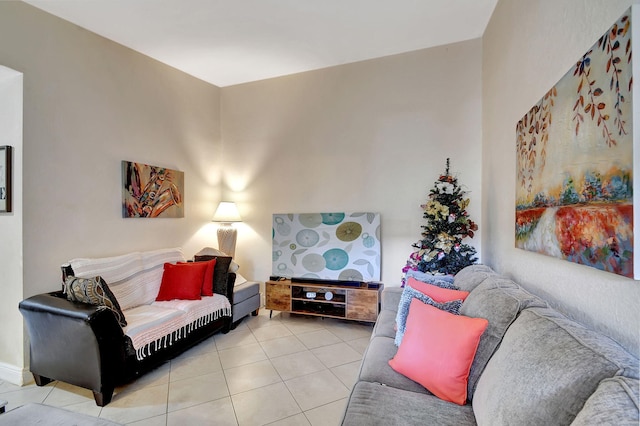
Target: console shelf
x=334, y=301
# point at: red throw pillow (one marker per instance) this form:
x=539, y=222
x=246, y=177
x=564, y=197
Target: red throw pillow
x=207, y=281
x=440, y=295
x=182, y=281
x=438, y=349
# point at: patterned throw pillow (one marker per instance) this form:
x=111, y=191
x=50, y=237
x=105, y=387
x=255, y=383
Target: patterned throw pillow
x=408, y=294
x=93, y=291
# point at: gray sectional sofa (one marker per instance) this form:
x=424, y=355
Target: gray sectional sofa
x=533, y=366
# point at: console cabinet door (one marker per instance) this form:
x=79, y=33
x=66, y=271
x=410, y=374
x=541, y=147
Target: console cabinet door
x=278, y=297
x=362, y=305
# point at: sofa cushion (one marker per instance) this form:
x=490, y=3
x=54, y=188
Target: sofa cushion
x=390, y=298
x=182, y=281
x=161, y=324
x=615, y=402
x=220, y=272
x=438, y=294
x=93, y=291
x=500, y=301
x=408, y=294
x=385, y=324
x=207, y=286
x=470, y=277
x=210, y=251
x=438, y=349
x=444, y=281
x=545, y=369
x=376, y=404
x=375, y=366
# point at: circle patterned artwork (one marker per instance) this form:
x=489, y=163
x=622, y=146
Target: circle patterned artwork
x=313, y=262
x=348, y=231
x=307, y=238
x=350, y=275
x=281, y=227
x=336, y=259
x=332, y=218
x=367, y=240
x=344, y=246
x=312, y=220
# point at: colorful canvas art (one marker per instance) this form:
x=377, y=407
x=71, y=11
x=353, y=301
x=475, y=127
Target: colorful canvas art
x=151, y=191
x=574, y=197
x=337, y=246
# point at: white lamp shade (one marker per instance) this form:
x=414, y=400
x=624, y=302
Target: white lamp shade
x=227, y=212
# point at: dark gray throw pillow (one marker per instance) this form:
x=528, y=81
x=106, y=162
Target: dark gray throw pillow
x=220, y=272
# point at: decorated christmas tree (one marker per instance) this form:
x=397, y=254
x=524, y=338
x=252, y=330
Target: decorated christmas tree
x=441, y=251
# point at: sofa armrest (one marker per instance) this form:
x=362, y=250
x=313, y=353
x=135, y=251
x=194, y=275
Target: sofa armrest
x=391, y=298
x=74, y=342
x=231, y=281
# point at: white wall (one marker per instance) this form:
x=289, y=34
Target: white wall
x=370, y=136
x=90, y=103
x=12, y=352
x=527, y=47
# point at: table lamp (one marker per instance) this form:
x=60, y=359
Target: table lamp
x=226, y=214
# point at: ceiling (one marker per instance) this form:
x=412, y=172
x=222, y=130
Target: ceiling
x=227, y=42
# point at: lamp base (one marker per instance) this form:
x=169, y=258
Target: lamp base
x=227, y=239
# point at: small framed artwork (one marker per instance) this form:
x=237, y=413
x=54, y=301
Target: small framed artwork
x=5, y=179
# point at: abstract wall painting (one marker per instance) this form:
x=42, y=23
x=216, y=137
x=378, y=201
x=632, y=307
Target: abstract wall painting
x=336, y=246
x=151, y=191
x=574, y=189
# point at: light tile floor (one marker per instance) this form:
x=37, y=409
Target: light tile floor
x=284, y=370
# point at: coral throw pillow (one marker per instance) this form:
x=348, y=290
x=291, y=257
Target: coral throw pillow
x=207, y=281
x=182, y=281
x=440, y=295
x=437, y=350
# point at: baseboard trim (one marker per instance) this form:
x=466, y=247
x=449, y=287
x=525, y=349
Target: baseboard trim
x=14, y=374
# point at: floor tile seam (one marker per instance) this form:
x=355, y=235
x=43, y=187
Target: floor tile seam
x=312, y=408
x=256, y=388
x=27, y=387
x=260, y=387
x=285, y=418
x=324, y=405
x=185, y=355
x=298, y=353
x=237, y=347
x=291, y=327
x=313, y=372
x=224, y=370
x=272, y=338
x=341, y=364
x=141, y=389
x=192, y=406
x=323, y=328
x=21, y=389
x=296, y=337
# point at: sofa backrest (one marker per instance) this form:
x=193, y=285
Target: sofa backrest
x=134, y=278
x=615, y=402
x=499, y=300
x=545, y=369
x=471, y=276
